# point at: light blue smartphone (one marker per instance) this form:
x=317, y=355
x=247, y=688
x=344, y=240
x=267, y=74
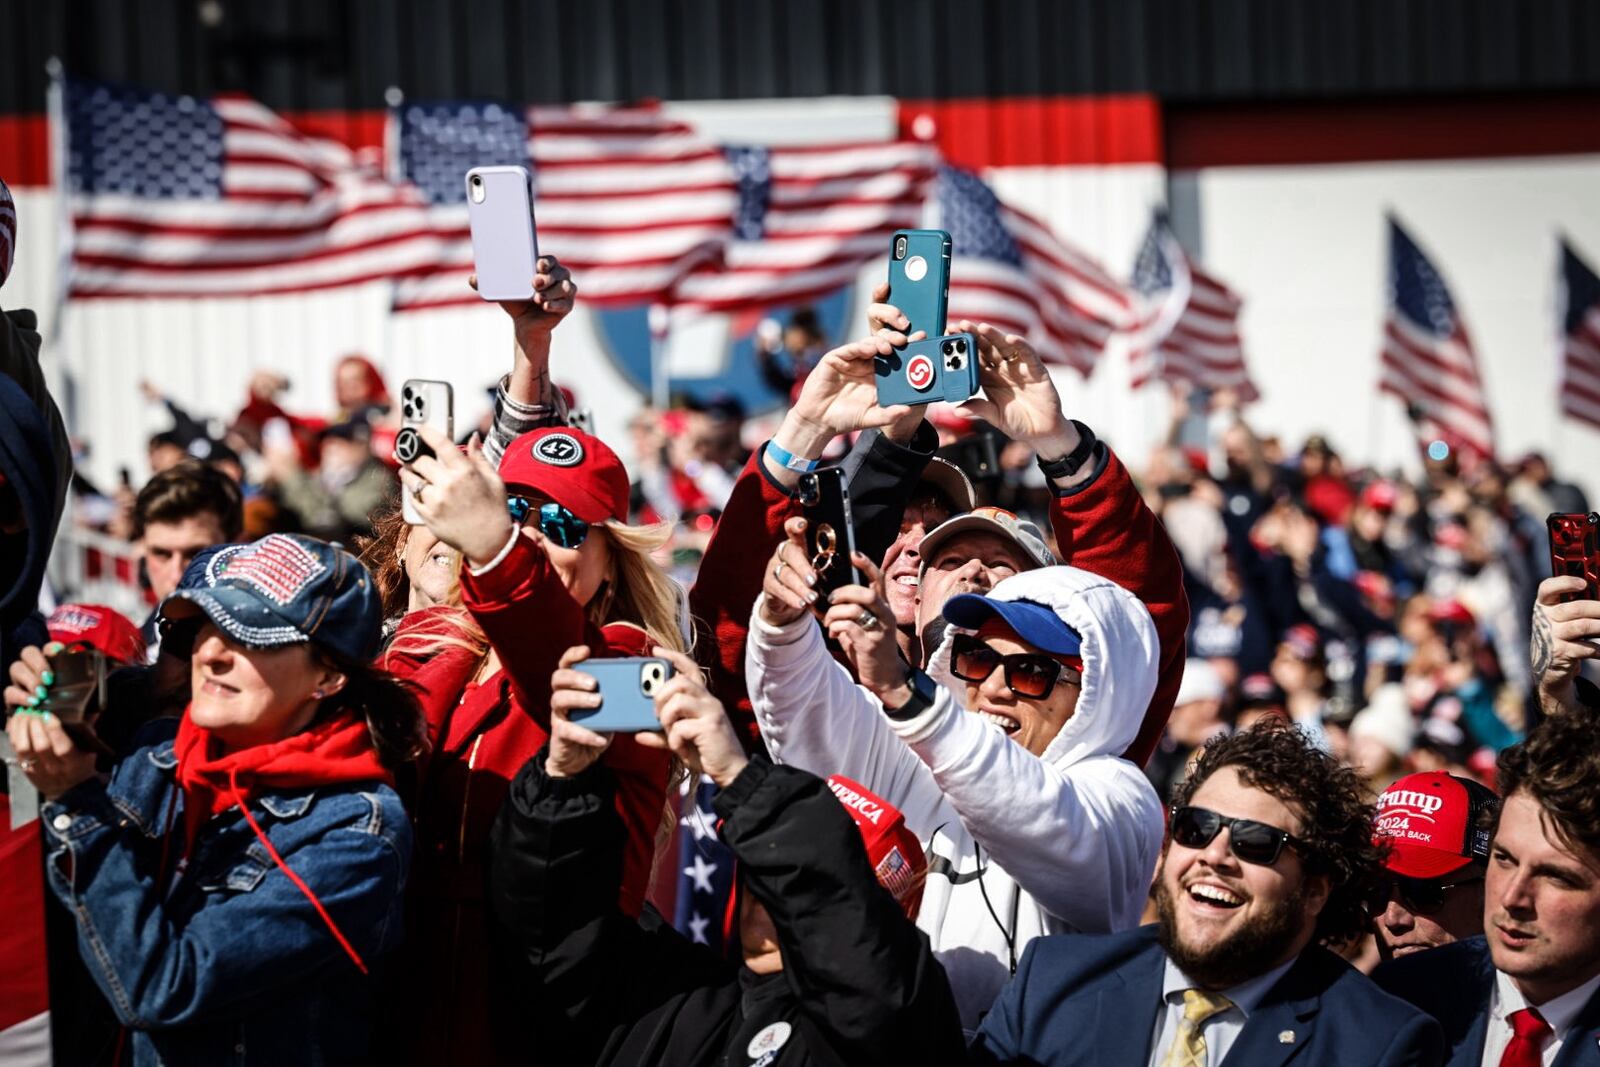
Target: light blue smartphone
x=505, y=247
x=628, y=688
x=919, y=278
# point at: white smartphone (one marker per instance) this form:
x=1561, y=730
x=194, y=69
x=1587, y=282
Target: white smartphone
x=505, y=247
x=424, y=402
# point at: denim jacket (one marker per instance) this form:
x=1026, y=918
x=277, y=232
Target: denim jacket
x=235, y=966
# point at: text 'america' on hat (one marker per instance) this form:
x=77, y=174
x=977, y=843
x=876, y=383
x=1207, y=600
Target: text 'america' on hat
x=572, y=468
x=1020, y=532
x=1433, y=824
x=282, y=590
x=893, y=850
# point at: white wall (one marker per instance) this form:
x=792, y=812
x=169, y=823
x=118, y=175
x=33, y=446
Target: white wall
x=1307, y=248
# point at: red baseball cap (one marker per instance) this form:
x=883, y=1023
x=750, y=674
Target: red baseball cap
x=1380, y=496
x=1431, y=823
x=104, y=629
x=893, y=850
x=576, y=470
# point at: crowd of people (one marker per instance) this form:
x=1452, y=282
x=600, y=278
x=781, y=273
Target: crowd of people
x=1236, y=759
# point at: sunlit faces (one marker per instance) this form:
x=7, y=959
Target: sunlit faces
x=254, y=696
x=1541, y=904
x=169, y=548
x=1031, y=723
x=973, y=562
x=901, y=562
x=430, y=567
x=1224, y=920
x=581, y=569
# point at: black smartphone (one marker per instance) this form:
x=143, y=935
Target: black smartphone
x=830, y=536
x=78, y=694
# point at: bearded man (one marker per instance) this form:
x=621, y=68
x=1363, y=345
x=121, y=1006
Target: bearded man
x=1269, y=855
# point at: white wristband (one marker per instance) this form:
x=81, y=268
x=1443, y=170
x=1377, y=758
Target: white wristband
x=499, y=557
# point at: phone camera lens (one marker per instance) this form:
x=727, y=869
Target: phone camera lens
x=949, y=348
x=954, y=362
x=961, y=346
x=477, y=180
x=899, y=248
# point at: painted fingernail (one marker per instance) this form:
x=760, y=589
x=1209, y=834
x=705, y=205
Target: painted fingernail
x=48, y=677
x=33, y=702
x=811, y=598
x=53, y=647
x=41, y=691
x=47, y=716
x=811, y=579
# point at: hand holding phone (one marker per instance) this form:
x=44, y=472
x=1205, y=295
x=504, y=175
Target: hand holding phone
x=830, y=534
x=935, y=368
x=422, y=403
x=627, y=688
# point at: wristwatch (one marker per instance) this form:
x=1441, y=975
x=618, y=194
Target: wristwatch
x=923, y=690
x=1068, y=465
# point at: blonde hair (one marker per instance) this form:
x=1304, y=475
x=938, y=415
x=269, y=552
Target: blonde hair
x=635, y=591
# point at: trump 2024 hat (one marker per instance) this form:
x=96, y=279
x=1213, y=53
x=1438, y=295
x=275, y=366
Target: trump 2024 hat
x=99, y=627
x=576, y=470
x=1433, y=824
x=282, y=590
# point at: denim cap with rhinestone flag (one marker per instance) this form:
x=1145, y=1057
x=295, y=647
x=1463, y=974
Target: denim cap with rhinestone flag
x=1434, y=824
x=1020, y=532
x=281, y=590
x=572, y=468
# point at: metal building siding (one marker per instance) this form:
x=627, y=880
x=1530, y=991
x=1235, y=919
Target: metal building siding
x=342, y=54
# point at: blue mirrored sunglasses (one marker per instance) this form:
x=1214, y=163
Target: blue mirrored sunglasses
x=555, y=522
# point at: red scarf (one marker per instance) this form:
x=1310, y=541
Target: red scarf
x=333, y=752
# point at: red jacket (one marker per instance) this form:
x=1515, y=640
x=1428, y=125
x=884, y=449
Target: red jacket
x=482, y=735
x=1106, y=528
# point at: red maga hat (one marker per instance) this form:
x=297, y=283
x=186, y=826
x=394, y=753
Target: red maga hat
x=101, y=628
x=1431, y=823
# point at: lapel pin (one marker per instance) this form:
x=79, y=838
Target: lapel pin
x=1285, y=1037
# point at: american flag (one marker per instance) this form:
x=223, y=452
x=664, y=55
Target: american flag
x=182, y=196
x=1010, y=270
x=1580, y=339
x=1189, y=330
x=807, y=219
x=1427, y=357
x=705, y=871
x=626, y=197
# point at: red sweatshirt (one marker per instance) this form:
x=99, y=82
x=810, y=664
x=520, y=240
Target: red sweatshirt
x=482, y=735
x=1107, y=529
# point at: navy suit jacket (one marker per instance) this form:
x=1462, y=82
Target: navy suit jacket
x=1092, y=999
x=1453, y=984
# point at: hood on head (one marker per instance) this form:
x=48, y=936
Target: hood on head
x=1120, y=650
x=28, y=462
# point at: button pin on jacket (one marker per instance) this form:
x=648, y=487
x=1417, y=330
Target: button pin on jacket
x=1285, y=1037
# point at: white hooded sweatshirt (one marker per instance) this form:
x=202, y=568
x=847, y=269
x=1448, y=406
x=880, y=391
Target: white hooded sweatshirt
x=1068, y=840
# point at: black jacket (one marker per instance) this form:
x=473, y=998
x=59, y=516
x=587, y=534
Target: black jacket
x=859, y=984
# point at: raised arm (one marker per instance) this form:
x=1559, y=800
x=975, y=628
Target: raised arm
x=527, y=399
x=1101, y=523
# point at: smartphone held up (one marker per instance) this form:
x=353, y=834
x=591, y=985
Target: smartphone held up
x=937, y=367
x=505, y=246
x=627, y=686
x=1575, y=550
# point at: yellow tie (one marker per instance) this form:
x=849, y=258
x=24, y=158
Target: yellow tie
x=1189, y=1047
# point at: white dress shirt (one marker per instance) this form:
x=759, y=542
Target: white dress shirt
x=1222, y=1029
x=1559, y=1012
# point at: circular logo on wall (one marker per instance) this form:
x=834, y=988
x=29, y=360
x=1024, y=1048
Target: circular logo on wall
x=919, y=372
x=558, y=450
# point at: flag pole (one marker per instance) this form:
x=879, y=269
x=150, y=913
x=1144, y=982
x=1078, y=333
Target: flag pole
x=60, y=181
x=660, y=382
x=394, y=171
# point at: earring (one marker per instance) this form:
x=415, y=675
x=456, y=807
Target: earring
x=317, y=694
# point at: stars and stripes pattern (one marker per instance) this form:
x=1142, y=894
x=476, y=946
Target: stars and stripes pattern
x=705, y=871
x=182, y=196
x=1189, y=325
x=808, y=218
x=1008, y=269
x=626, y=197
x=1427, y=359
x=1580, y=338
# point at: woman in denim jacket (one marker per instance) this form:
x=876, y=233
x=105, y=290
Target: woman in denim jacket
x=238, y=876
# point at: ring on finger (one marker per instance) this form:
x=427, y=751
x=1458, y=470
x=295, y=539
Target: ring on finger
x=417, y=488
x=27, y=763
x=777, y=572
x=867, y=620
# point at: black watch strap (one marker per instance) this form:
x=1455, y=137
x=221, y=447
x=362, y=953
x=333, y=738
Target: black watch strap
x=1069, y=464
x=923, y=690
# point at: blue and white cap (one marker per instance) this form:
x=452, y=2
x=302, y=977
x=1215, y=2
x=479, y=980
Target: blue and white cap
x=282, y=590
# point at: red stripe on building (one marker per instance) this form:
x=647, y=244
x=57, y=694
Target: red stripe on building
x=1039, y=131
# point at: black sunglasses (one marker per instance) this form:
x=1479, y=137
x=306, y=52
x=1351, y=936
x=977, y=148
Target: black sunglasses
x=1032, y=675
x=1420, y=896
x=555, y=522
x=1253, y=842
